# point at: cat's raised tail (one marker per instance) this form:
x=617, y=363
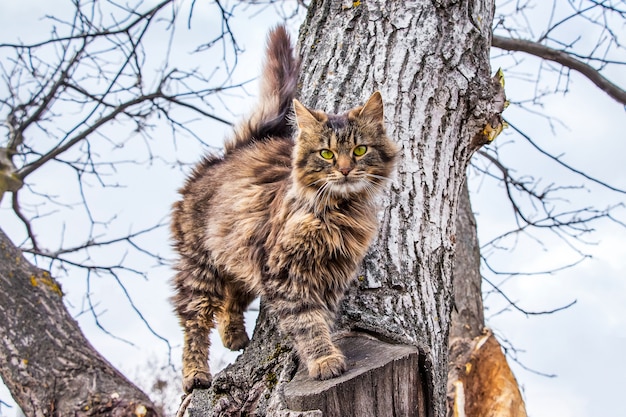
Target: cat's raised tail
x=278, y=89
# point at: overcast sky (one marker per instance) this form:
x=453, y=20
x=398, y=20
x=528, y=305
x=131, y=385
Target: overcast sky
x=582, y=347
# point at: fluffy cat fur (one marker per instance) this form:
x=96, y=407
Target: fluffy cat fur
x=287, y=212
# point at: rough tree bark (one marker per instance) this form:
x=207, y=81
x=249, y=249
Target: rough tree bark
x=430, y=60
x=48, y=365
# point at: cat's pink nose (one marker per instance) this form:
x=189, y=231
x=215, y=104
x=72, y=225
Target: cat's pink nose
x=345, y=170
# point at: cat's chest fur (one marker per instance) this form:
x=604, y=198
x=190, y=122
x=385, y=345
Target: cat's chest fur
x=328, y=245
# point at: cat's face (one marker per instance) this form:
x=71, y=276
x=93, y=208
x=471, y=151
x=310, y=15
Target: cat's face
x=342, y=156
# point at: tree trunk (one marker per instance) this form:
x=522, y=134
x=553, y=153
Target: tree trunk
x=467, y=320
x=480, y=382
x=430, y=60
x=45, y=361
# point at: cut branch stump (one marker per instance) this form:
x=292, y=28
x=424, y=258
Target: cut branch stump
x=383, y=380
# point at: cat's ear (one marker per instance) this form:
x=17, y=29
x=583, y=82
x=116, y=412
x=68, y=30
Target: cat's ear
x=304, y=118
x=372, y=111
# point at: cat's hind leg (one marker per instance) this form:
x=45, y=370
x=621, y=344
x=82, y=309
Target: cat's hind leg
x=230, y=320
x=197, y=298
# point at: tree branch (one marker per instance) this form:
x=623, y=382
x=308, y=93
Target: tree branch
x=563, y=164
x=524, y=311
x=54, y=370
x=564, y=59
x=87, y=36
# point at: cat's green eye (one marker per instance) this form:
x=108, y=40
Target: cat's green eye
x=360, y=150
x=326, y=154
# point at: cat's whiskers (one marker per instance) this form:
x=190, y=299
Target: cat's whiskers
x=319, y=194
x=315, y=182
x=325, y=198
x=371, y=185
x=372, y=191
x=376, y=180
x=321, y=198
x=357, y=182
x=379, y=177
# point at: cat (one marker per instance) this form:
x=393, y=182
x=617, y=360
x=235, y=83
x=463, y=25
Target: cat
x=287, y=212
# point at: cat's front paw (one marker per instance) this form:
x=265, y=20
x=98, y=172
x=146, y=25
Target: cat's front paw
x=196, y=379
x=234, y=339
x=327, y=367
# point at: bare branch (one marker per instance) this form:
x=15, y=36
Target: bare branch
x=29, y=230
x=565, y=165
x=525, y=311
x=513, y=353
x=565, y=59
x=96, y=316
x=106, y=32
x=29, y=168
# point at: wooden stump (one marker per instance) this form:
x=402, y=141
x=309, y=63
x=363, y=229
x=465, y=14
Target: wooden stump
x=383, y=380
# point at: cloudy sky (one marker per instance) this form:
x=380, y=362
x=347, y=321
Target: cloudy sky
x=580, y=348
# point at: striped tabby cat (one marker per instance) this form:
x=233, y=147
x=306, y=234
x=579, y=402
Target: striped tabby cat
x=287, y=213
